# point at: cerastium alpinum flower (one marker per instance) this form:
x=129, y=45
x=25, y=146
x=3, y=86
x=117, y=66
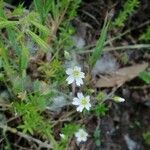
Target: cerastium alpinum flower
x=81, y=135
x=75, y=75
x=82, y=102
x=62, y=136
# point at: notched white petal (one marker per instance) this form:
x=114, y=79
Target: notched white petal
x=88, y=98
x=77, y=68
x=80, y=95
x=88, y=106
x=70, y=79
x=79, y=81
x=82, y=75
x=76, y=101
x=80, y=108
x=69, y=71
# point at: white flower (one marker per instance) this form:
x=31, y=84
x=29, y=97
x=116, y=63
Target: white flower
x=118, y=99
x=62, y=136
x=75, y=74
x=81, y=135
x=82, y=102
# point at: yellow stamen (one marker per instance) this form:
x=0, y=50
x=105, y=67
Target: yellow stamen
x=76, y=73
x=83, y=101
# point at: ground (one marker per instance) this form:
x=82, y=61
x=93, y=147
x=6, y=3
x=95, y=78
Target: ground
x=125, y=123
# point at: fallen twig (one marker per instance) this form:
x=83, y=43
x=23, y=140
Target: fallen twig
x=136, y=46
x=139, y=87
x=27, y=137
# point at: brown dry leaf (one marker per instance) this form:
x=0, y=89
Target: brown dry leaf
x=121, y=76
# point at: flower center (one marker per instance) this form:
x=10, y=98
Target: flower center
x=76, y=73
x=82, y=135
x=83, y=101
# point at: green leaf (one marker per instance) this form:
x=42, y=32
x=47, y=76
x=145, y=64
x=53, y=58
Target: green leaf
x=69, y=129
x=2, y=14
x=98, y=142
x=4, y=56
x=100, y=43
x=2, y=77
x=39, y=41
x=1, y=62
x=100, y=96
x=18, y=11
x=26, y=128
x=5, y=24
x=43, y=7
x=97, y=137
x=146, y=35
x=12, y=40
x=24, y=58
x=101, y=110
x=40, y=27
x=145, y=76
x=19, y=84
x=146, y=137
x=128, y=9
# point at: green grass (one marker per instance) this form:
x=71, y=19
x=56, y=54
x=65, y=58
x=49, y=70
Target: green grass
x=34, y=50
x=128, y=9
x=98, y=49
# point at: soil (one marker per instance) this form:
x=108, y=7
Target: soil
x=131, y=118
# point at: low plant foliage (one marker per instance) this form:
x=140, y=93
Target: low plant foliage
x=128, y=9
x=39, y=69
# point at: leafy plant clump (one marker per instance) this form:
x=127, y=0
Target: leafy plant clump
x=49, y=92
x=146, y=35
x=145, y=76
x=146, y=137
x=128, y=9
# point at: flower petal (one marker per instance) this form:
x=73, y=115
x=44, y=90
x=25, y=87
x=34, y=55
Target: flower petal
x=88, y=106
x=76, y=101
x=77, y=68
x=69, y=71
x=82, y=75
x=79, y=81
x=80, y=95
x=79, y=139
x=70, y=79
x=88, y=98
x=80, y=108
x=77, y=134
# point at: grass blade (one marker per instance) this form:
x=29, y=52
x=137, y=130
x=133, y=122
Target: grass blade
x=6, y=24
x=40, y=27
x=39, y=41
x=100, y=43
x=4, y=56
x=24, y=58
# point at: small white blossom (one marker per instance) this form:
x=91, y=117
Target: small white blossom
x=75, y=75
x=82, y=102
x=81, y=135
x=118, y=99
x=62, y=136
